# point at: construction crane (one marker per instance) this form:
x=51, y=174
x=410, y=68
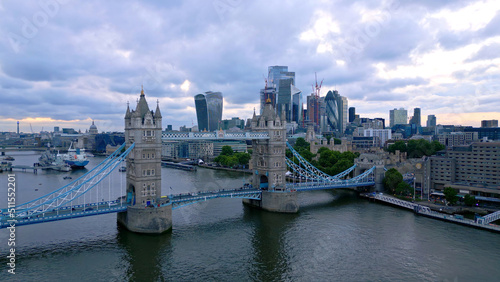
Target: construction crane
x=315, y=105
x=317, y=88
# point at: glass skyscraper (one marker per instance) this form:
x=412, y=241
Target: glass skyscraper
x=398, y=117
x=200, y=104
x=208, y=110
x=334, y=113
x=297, y=105
x=280, y=78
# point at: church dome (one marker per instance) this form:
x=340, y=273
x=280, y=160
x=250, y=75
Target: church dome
x=93, y=128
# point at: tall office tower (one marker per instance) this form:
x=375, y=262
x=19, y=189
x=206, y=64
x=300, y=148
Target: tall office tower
x=431, y=121
x=214, y=106
x=297, y=105
x=332, y=115
x=335, y=112
x=268, y=92
x=284, y=102
x=352, y=114
x=484, y=123
x=18, y=127
x=313, y=111
x=398, y=117
x=416, y=117
x=200, y=103
x=344, y=113
x=208, y=110
x=280, y=78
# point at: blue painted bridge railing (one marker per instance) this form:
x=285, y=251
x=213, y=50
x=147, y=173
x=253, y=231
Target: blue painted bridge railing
x=182, y=200
x=67, y=212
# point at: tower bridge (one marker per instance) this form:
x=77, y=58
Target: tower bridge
x=142, y=209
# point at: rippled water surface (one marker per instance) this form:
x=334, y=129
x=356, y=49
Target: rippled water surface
x=335, y=237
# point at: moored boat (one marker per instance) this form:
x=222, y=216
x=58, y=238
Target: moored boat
x=76, y=158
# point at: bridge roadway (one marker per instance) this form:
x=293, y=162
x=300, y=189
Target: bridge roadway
x=310, y=186
x=119, y=205
x=66, y=212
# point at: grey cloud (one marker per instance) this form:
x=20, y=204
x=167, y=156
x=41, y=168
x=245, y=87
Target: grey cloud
x=488, y=52
x=82, y=52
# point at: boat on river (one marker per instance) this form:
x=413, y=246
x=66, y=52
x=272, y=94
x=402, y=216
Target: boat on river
x=76, y=158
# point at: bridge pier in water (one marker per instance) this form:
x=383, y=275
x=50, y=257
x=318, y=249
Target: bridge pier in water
x=274, y=201
x=146, y=213
x=146, y=220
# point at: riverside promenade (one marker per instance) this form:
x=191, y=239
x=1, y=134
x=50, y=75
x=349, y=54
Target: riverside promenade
x=426, y=211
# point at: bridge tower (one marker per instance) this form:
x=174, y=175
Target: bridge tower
x=366, y=161
x=145, y=213
x=268, y=159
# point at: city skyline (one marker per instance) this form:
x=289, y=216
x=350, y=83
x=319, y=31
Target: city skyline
x=65, y=65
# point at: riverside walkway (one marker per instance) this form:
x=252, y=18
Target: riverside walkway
x=480, y=222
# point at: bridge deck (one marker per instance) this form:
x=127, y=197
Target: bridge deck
x=67, y=212
x=177, y=201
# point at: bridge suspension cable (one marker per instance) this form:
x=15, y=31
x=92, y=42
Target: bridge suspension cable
x=311, y=171
x=76, y=189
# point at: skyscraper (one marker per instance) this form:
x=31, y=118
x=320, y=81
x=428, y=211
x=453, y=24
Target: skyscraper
x=335, y=113
x=208, y=110
x=282, y=80
x=297, y=105
x=431, y=121
x=398, y=117
x=331, y=113
x=416, y=117
x=214, y=106
x=344, y=113
x=313, y=111
x=200, y=103
x=352, y=114
x=269, y=92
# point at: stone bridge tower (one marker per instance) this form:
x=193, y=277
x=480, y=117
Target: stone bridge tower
x=366, y=161
x=268, y=159
x=145, y=213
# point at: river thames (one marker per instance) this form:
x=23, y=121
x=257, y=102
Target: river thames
x=336, y=236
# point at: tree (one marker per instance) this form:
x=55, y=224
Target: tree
x=451, y=195
x=243, y=158
x=392, y=179
x=340, y=166
x=469, y=200
x=337, y=141
x=399, y=145
x=404, y=189
x=306, y=154
x=226, y=151
x=436, y=146
x=301, y=144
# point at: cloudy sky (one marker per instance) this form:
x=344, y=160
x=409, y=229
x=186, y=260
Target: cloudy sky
x=65, y=63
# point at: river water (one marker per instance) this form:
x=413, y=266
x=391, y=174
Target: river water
x=335, y=237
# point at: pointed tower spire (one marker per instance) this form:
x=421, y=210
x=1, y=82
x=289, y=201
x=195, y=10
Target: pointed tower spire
x=157, y=112
x=142, y=91
x=127, y=113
